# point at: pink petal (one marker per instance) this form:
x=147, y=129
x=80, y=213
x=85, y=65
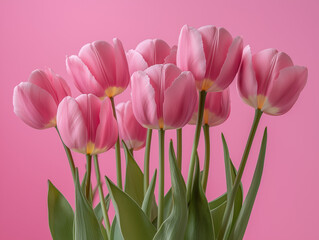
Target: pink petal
x=90, y=109
x=35, y=106
x=171, y=58
x=190, y=53
x=61, y=88
x=107, y=131
x=71, y=125
x=154, y=51
x=230, y=67
x=285, y=90
x=122, y=73
x=83, y=79
x=180, y=101
x=143, y=100
x=135, y=61
x=99, y=57
x=247, y=83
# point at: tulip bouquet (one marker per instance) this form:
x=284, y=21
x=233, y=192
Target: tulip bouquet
x=170, y=87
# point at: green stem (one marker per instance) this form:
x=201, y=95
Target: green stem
x=147, y=160
x=132, y=151
x=240, y=172
x=117, y=152
x=69, y=155
x=179, y=134
x=207, y=156
x=101, y=194
x=161, y=133
x=201, y=105
x=88, y=175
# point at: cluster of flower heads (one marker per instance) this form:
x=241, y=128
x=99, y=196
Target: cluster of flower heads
x=165, y=82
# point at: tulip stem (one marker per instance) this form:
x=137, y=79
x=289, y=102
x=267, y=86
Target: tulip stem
x=201, y=105
x=88, y=175
x=117, y=152
x=207, y=156
x=147, y=159
x=69, y=155
x=161, y=133
x=101, y=194
x=230, y=203
x=179, y=134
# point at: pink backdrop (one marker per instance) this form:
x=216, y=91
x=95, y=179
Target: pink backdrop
x=35, y=34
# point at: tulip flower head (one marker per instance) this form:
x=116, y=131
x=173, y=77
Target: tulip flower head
x=100, y=68
x=211, y=54
x=270, y=81
x=163, y=97
x=150, y=52
x=130, y=130
x=87, y=124
x=36, y=101
x=216, y=110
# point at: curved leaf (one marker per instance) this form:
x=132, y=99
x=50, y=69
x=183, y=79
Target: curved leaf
x=173, y=228
x=133, y=222
x=115, y=231
x=148, y=199
x=199, y=224
x=61, y=215
x=244, y=215
x=98, y=209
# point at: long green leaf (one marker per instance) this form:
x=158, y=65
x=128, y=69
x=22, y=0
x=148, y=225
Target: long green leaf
x=61, y=215
x=98, y=209
x=168, y=204
x=133, y=222
x=217, y=216
x=173, y=228
x=218, y=201
x=148, y=199
x=115, y=231
x=244, y=215
x=239, y=196
x=199, y=224
x=86, y=224
x=134, y=178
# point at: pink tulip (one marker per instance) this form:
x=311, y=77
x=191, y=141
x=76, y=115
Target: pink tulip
x=163, y=97
x=87, y=124
x=100, y=69
x=148, y=53
x=36, y=101
x=130, y=131
x=216, y=110
x=211, y=54
x=269, y=81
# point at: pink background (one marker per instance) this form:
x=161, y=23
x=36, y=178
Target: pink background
x=35, y=34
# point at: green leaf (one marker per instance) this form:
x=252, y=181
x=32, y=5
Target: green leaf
x=244, y=215
x=173, y=228
x=133, y=222
x=218, y=201
x=61, y=215
x=115, y=231
x=199, y=224
x=87, y=226
x=148, y=199
x=228, y=170
x=217, y=216
x=134, y=179
x=239, y=195
x=98, y=209
x=168, y=204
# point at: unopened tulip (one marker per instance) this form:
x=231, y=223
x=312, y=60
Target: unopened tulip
x=163, y=97
x=87, y=124
x=216, y=110
x=148, y=53
x=211, y=54
x=269, y=81
x=100, y=69
x=130, y=131
x=36, y=101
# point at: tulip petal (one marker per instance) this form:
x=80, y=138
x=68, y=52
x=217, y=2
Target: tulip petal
x=61, y=88
x=285, y=90
x=154, y=51
x=247, y=83
x=107, y=130
x=190, y=53
x=35, y=106
x=230, y=67
x=182, y=95
x=71, y=125
x=171, y=58
x=143, y=100
x=135, y=61
x=83, y=79
x=122, y=73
